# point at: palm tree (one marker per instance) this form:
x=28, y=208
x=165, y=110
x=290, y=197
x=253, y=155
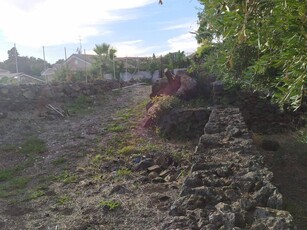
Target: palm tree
x=105, y=53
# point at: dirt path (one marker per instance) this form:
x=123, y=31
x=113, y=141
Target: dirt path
x=80, y=172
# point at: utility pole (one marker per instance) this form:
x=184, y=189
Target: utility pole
x=16, y=58
x=66, y=69
x=80, y=45
x=45, y=62
x=85, y=67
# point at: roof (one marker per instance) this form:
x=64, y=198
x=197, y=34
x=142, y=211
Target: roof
x=87, y=58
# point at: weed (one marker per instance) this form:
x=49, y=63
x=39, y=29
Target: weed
x=33, y=146
x=116, y=128
x=59, y=161
x=123, y=172
x=36, y=194
x=97, y=159
x=62, y=200
x=66, y=177
x=18, y=182
x=129, y=150
x=110, y=205
x=6, y=174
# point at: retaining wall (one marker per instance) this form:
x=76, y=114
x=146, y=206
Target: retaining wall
x=228, y=186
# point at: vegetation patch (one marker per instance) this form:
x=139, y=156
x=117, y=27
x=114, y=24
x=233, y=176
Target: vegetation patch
x=33, y=146
x=110, y=205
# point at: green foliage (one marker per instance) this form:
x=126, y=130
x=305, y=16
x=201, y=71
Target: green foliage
x=28, y=65
x=162, y=105
x=123, y=172
x=129, y=150
x=110, y=205
x=260, y=44
x=6, y=174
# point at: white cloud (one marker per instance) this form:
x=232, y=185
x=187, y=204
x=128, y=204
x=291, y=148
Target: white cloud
x=184, y=42
x=135, y=48
x=54, y=22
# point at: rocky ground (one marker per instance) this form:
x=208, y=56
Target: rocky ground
x=98, y=168
x=95, y=169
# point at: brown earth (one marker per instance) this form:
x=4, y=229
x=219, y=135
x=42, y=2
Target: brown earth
x=86, y=176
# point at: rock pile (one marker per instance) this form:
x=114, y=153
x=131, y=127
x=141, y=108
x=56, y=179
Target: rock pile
x=228, y=186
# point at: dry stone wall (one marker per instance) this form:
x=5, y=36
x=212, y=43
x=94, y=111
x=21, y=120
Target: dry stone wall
x=29, y=97
x=228, y=186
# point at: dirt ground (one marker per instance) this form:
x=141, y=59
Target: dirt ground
x=78, y=171
x=78, y=180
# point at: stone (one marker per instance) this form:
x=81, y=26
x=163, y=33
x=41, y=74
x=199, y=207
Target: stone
x=144, y=164
x=154, y=168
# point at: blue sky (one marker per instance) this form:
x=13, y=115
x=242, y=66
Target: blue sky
x=133, y=27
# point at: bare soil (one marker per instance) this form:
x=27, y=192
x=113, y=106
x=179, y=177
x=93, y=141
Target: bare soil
x=85, y=177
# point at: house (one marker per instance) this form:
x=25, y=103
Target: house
x=23, y=78
x=49, y=73
x=80, y=62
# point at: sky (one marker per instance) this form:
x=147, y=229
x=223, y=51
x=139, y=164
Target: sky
x=135, y=28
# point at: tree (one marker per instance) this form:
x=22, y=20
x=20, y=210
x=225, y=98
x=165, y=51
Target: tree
x=259, y=44
x=28, y=65
x=105, y=54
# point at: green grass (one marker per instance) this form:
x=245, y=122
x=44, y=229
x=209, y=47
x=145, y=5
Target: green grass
x=6, y=174
x=116, y=128
x=66, y=177
x=129, y=150
x=123, y=172
x=33, y=146
x=13, y=185
x=63, y=200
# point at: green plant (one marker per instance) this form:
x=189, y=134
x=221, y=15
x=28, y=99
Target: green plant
x=36, y=194
x=62, y=200
x=260, y=44
x=33, y=146
x=6, y=174
x=67, y=178
x=123, y=172
x=116, y=128
x=129, y=150
x=302, y=136
x=162, y=105
x=111, y=205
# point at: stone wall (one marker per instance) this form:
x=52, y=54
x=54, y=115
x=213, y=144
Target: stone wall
x=228, y=186
x=28, y=97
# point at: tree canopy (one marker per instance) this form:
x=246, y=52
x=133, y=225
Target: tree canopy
x=257, y=43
